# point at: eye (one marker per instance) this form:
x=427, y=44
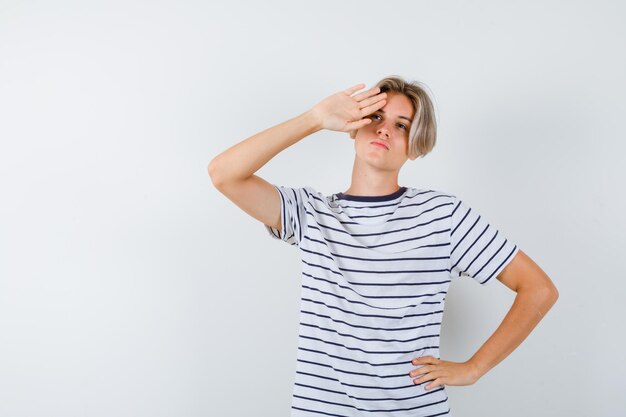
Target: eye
x=374, y=115
x=402, y=125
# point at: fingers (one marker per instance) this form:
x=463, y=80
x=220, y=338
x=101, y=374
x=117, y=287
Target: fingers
x=427, y=372
x=372, y=100
x=425, y=359
x=358, y=124
x=421, y=371
x=436, y=383
x=430, y=377
x=353, y=89
x=368, y=93
x=371, y=109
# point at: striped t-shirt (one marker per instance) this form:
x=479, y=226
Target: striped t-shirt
x=375, y=273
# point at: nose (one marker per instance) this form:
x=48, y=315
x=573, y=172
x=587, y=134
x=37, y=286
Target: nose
x=382, y=131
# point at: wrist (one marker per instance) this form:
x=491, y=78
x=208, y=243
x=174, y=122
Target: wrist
x=312, y=120
x=477, y=370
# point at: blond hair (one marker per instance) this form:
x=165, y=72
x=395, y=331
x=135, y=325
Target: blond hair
x=423, y=132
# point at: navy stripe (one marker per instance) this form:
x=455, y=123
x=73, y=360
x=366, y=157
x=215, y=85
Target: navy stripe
x=343, y=371
x=374, y=410
x=411, y=296
x=368, y=339
x=297, y=210
x=366, y=315
x=350, y=359
x=343, y=415
x=375, y=328
x=390, y=259
x=354, y=348
x=386, y=329
x=407, y=386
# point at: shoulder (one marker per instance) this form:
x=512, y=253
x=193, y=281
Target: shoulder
x=429, y=194
x=306, y=191
x=307, y=195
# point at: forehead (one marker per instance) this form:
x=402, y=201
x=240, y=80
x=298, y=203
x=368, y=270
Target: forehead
x=398, y=105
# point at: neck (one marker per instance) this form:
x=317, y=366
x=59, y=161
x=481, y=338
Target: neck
x=370, y=181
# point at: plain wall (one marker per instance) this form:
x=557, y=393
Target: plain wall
x=130, y=286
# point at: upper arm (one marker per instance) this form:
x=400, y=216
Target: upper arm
x=522, y=272
x=255, y=196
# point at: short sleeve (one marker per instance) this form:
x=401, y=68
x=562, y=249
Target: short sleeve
x=477, y=248
x=292, y=215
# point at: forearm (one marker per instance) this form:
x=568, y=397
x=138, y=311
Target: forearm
x=245, y=158
x=527, y=310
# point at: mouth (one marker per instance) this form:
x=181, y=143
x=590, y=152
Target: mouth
x=382, y=145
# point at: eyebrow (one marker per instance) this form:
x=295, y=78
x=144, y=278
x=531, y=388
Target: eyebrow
x=401, y=117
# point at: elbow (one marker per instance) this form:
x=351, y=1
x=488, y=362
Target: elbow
x=212, y=167
x=555, y=293
x=555, y=296
x=550, y=300
x=552, y=294
x=544, y=296
x=543, y=289
x=548, y=295
x=213, y=173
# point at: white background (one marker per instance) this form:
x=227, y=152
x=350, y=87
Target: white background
x=129, y=286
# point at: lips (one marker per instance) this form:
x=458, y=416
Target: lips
x=375, y=142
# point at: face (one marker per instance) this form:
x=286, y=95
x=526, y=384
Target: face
x=390, y=125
